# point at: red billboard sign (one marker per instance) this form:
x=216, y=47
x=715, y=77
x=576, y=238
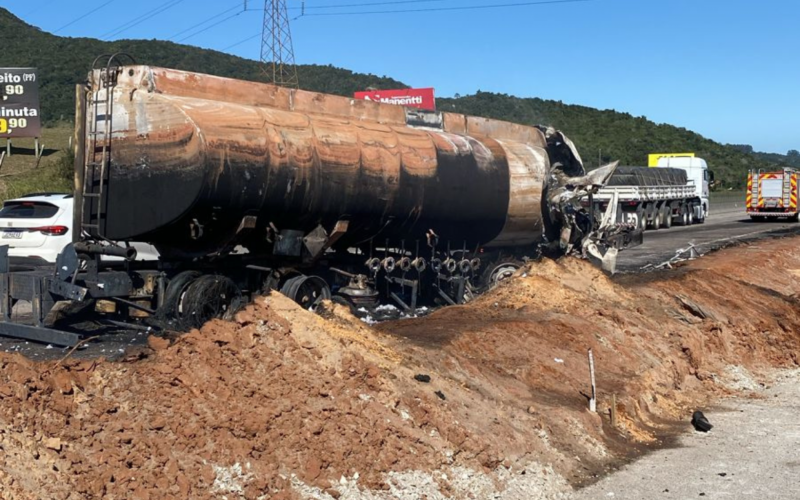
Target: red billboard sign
x=413, y=98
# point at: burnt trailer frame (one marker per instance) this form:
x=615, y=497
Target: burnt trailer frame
x=307, y=264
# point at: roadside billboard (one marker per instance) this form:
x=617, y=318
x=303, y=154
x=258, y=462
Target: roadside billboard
x=19, y=103
x=652, y=159
x=412, y=98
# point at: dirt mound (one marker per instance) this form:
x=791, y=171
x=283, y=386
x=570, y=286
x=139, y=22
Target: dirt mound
x=282, y=403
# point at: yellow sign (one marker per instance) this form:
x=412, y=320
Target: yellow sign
x=652, y=159
x=3, y=125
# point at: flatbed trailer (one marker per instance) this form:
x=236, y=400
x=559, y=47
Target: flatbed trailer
x=653, y=207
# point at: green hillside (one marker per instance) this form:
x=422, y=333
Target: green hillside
x=62, y=62
x=616, y=136
x=610, y=134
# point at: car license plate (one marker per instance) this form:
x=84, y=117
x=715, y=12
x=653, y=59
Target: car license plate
x=12, y=235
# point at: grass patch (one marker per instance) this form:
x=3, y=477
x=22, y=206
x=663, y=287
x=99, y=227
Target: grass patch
x=54, y=176
x=20, y=175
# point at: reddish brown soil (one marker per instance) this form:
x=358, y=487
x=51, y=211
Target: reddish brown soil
x=281, y=399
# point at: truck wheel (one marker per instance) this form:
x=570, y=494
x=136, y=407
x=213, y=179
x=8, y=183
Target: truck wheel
x=175, y=289
x=795, y=218
x=657, y=220
x=667, y=215
x=308, y=291
x=684, y=216
x=641, y=220
x=208, y=297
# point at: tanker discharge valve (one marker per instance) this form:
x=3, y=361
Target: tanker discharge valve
x=374, y=265
x=404, y=264
x=388, y=264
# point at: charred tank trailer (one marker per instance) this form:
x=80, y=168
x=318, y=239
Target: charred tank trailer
x=246, y=187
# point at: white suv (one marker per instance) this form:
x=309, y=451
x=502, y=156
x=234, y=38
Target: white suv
x=37, y=227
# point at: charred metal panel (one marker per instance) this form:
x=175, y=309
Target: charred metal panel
x=454, y=123
x=506, y=131
x=528, y=168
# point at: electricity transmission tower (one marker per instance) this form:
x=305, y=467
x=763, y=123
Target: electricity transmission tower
x=277, y=53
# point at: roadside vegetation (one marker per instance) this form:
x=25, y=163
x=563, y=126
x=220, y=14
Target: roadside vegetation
x=20, y=173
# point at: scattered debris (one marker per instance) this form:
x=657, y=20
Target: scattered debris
x=425, y=379
x=440, y=394
x=700, y=422
x=678, y=258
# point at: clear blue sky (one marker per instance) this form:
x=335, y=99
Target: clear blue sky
x=727, y=69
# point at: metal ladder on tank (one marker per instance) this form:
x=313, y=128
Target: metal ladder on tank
x=98, y=156
x=98, y=146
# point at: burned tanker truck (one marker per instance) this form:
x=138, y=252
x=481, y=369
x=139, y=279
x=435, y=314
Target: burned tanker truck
x=246, y=187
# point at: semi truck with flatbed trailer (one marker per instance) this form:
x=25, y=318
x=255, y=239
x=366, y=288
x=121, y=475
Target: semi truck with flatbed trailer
x=245, y=187
x=676, y=191
x=772, y=195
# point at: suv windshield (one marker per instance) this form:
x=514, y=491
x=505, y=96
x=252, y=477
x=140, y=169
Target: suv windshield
x=27, y=210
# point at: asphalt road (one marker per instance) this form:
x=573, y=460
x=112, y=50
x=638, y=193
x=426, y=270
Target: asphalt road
x=721, y=229
x=751, y=453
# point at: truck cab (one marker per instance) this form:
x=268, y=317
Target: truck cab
x=697, y=174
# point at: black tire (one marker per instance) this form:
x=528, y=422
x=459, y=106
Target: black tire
x=308, y=291
x=641, y=220
x=175, y=290
x=656, y=224
x=667, y=216
x=208, y=297
x=497, y=272
x=795, y=218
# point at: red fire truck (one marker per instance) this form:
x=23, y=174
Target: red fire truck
x=772, y=194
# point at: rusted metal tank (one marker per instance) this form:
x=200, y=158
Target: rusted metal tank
x=200, y=163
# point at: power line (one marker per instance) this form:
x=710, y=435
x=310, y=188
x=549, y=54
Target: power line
x=367, y=4
x=215, y=16
x=515, y=4
x=441, y=9
x=84, y=16
x=251, y=37
x=139, y=20
x=210, y=26
x=36, y=9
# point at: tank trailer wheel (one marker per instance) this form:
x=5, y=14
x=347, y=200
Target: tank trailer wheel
x=208, y=297
x=308, y=291
x=175, y=289
x=501, y=273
